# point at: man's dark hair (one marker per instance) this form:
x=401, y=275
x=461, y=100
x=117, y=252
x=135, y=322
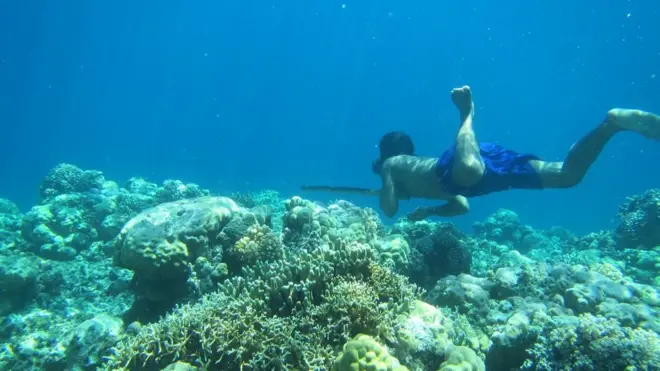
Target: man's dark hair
x=393, y=144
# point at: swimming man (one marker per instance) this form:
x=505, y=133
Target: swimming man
x=470, y=168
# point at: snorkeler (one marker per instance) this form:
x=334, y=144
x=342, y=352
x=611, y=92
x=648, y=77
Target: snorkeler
x=470, y=168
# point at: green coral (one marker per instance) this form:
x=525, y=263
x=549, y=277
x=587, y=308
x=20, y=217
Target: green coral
x=307, y=224
x=165, y=240
x=462, y=358
x=258, y=243
x=370, y=306
x=364, y=353
x=644, y=265
x=594, y=343
x=273, y=316
x=67, y=178
x=394, y=252
x=60, y=228
x=299, y=214
x=226, y=333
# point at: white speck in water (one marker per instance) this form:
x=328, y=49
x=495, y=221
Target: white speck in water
x=343, y=6
x=653, y=76
x=206, y=54
x=628, y=15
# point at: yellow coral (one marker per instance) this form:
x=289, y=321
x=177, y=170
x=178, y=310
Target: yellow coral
x=257, y=243
x=462, y=358
x=365, y=353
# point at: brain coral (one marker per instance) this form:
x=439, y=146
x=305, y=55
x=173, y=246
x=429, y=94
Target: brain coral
x=163, y=240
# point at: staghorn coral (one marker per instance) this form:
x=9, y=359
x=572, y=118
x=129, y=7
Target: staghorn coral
x=351, y=305
x=277, y=315
x=223, y=332
x=372, y=306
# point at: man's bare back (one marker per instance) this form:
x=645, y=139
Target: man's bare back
x=406, y=177
x=416, y=177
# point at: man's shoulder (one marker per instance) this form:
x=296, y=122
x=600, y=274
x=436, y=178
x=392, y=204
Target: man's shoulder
x=407, y=162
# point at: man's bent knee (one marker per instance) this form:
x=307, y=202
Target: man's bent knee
x=468, y=172
x=570, y=181
x=560, y=181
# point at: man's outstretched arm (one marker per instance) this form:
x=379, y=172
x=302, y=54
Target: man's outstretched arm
x=457, y=206
x=389, y=202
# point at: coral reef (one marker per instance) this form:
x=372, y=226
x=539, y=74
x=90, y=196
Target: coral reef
x=438, y=250
x=171, y=277
x=306, y=304
x=593, y=343
x=79, y=208
x=10, y=224
x=639, y=217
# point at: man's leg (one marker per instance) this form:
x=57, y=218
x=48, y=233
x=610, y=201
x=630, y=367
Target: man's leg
x=468, y=167
x=585, y=151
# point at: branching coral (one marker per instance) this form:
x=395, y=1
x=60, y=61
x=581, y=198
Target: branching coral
x=286, y=314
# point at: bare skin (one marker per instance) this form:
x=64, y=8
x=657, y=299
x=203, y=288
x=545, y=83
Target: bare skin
x=406, y=177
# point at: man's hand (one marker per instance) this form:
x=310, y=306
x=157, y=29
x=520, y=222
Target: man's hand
x=418, y=214
x=457, y=206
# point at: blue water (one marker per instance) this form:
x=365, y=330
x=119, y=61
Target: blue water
x=245, y=95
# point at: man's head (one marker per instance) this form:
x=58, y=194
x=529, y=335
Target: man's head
x=392, y=144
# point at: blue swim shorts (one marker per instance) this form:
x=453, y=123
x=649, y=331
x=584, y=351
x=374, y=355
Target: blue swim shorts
x=504, y=169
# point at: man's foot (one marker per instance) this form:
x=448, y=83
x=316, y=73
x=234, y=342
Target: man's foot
x=644, y=123
x=462, y=98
